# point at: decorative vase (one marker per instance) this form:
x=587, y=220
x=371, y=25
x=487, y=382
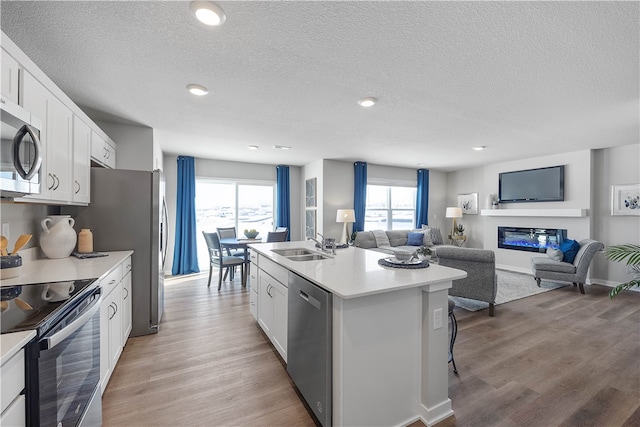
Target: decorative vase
x=85, y=241
x=489, y=202
x=58, y=237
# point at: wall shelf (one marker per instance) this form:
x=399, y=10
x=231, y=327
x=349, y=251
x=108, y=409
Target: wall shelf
x=571, y=213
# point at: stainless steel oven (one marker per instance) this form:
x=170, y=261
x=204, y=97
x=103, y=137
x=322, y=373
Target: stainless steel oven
x=20, y=151
x=63, y=361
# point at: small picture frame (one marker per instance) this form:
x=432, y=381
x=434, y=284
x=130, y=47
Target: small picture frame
x=625, y=199
x=468, y=203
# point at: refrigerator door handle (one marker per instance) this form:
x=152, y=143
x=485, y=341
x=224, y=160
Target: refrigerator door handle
x=165, y=231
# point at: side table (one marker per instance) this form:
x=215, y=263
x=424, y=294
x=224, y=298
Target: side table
x=457, y=240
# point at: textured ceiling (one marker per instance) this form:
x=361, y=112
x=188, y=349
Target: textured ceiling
x=523, y=78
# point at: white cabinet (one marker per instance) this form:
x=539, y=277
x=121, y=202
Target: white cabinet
x=115, y=318
x=272, y=310
x=81, y=165
x=9, y=75
x=103, y=151
x=12, y=382
x=55, y=137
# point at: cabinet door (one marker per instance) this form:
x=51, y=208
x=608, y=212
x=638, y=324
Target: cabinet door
x=59, y=154
x=279, y=330
x=265, y=302
x=126, y=308
x=115, y=325
x=35, y=99
x=9, y=74
x=110, y=152
x=81, y=166
x=105, y=366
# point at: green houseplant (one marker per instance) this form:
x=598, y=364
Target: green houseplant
x=630, y=253
x=460, y=229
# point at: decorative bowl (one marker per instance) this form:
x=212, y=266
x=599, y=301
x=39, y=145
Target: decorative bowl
x=251, y=234
x=403, y=255
x=10, y=266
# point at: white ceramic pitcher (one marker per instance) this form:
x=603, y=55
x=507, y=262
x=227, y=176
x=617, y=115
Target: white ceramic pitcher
x=58, y=238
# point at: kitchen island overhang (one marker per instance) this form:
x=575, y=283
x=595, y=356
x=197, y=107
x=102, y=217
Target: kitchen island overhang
x=390, y=351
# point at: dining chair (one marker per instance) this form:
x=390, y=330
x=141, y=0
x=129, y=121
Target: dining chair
x=277, y=236
x=229, y=233
x=216, y=257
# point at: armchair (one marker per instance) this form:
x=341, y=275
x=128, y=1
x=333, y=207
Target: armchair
x=576, y=272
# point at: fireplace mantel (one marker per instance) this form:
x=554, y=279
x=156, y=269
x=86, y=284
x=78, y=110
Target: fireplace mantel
x=576, y=213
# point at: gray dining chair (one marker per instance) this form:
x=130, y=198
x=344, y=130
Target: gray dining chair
x=218, y=259
x=229, y=233
x=277, y=236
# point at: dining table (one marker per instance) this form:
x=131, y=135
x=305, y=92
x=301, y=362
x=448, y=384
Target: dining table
x=240, y=243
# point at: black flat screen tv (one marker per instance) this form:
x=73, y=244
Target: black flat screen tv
x=532, y=185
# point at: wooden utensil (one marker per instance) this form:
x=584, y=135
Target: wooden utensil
x=22, y=240
x=22, y=305
x=3, y=245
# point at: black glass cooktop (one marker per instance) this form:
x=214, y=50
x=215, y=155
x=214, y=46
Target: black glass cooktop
x=37, y=306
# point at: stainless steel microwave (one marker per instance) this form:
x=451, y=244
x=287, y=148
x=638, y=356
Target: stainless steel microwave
x=20, y=152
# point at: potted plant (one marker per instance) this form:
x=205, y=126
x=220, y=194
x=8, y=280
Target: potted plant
x=632, y=254
x=460, y=229
x=423, y=252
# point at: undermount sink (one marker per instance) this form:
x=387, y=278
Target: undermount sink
x=299, y=254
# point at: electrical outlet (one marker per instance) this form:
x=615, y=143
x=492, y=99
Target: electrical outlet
x=437, y=318
x=6, y=229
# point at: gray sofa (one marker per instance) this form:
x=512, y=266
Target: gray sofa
x=481, y=282
x=397, y=240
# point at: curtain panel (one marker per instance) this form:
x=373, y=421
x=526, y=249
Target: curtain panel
x=360, y=194
x=283, y=199
x=422, y=198
x=185, y=253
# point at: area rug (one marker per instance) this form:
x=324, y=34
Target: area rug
x=511, y=286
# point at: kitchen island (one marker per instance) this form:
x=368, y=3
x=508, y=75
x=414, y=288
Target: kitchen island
x=389, y=340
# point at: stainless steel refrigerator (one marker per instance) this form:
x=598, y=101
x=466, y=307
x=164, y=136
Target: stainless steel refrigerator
x=128, y=211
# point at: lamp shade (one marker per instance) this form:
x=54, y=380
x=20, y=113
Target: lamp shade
x=454, y=213
x=346, y=215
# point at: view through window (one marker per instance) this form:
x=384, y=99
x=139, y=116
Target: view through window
x=231, y=204
x=390, y=208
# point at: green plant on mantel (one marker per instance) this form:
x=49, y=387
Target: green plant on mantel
x=630, y=253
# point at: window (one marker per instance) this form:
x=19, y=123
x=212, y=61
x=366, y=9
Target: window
x=231, y=204
x=390, y=208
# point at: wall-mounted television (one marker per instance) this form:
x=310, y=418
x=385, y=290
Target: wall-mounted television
x=532, y=185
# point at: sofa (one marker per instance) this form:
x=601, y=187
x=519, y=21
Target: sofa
x=481, y=282
x=390, y=242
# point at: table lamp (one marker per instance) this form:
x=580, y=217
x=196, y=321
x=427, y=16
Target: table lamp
x=346, y=216
x=454, y=213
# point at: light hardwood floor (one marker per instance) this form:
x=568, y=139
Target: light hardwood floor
x=554, y=359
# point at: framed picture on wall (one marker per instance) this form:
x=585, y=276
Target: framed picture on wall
x=625, y=199
x=310, y=192
x=468, y=203
x=310, y=223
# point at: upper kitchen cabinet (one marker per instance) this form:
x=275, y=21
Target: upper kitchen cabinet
x=55, y=137
x=9, y=74
x=103, y=151
x=81, y=165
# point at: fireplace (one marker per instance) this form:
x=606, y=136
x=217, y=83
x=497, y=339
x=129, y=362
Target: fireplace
x=530, y=239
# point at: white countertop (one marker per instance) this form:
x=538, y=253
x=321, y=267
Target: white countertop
x=10, y=344
x=43, y=270
x=355, y=272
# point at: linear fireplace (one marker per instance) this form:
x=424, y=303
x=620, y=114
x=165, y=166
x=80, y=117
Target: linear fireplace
x=530, y=239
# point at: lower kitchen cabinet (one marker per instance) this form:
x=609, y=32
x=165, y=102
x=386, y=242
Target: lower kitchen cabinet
x=115, y=318
x=272, y=311
x=11, y=386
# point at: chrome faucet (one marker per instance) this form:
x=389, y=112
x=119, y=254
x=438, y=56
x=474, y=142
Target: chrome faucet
x=326, y=245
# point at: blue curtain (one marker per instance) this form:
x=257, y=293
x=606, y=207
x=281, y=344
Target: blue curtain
x=422, y=199
x=283, y=199
x=185, y=254
x=360, y=194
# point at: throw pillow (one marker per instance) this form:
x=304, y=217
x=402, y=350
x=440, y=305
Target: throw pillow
x=555, y=254
x=436, y=237
x=427, y=235
x=415, y=239
x=569, y=250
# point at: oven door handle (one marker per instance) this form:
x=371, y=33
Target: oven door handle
x=58, y=337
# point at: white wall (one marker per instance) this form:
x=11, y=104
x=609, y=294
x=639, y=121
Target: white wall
x=618, y=165
x=226, y=170
x=337, y=194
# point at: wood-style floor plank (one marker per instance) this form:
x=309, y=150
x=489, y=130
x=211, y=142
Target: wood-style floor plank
x=555, y=359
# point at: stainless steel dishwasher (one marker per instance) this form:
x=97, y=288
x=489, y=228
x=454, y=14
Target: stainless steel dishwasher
x=309, y=348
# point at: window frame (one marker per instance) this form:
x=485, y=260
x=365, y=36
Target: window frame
x=389, y=210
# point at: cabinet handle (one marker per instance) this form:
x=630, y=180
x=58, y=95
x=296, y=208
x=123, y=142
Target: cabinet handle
x=114, y=311
x=127, y=295
x=2, y=101
x=104, y=156
x=112, y=281
x=52, y=179
x=78, y=184
x=57, y=184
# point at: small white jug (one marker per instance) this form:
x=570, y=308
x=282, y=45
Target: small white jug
x=58, y=238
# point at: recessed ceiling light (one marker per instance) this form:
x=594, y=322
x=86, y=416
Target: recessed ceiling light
x=479, y=147
x=253, y=147
x=208, y=13
x=197, y=89
x=281, y=147
x=369, y=101
x=422, y=164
